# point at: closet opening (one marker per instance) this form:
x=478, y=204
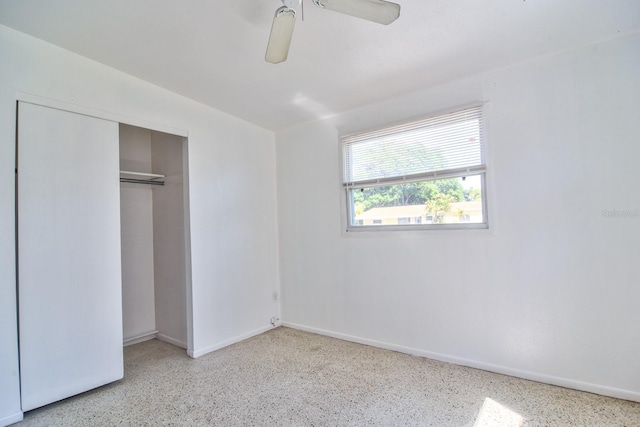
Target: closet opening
x=154, y=236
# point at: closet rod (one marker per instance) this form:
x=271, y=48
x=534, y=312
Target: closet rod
x=141, y=181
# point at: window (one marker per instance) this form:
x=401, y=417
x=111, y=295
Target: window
x=431, y=171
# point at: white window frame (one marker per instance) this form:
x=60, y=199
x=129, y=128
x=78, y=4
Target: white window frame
x=473, y=170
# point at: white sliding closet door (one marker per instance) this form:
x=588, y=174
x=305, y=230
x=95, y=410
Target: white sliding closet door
x=69, y=281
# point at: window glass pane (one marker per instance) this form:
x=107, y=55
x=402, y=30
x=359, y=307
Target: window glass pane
x=443, y=201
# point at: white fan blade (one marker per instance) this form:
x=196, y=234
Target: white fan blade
x=280, y=38
x=380, y=11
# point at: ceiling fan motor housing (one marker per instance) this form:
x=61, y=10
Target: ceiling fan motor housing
x=292, y=4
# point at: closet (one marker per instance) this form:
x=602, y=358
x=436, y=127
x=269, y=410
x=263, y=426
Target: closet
x=152, y=235
x=102, y=256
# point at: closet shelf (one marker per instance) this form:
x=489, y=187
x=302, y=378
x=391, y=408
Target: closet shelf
x=141, y=178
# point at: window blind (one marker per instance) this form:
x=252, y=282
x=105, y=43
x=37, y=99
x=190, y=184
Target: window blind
x=445, y=145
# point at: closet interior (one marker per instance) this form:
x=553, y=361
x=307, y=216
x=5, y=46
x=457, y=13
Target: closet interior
x=153, y=235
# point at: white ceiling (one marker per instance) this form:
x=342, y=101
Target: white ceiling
x=213, y=51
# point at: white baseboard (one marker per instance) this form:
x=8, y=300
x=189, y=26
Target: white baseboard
x=154, y=335
x=200, y=352
x=140, y=338
x=499, y=369
x=11, y=419
x=170, y=340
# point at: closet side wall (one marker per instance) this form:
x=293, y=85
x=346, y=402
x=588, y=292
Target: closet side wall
x=136, y=214
x=169, y=239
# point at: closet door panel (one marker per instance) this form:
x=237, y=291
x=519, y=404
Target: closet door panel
x=69, y=281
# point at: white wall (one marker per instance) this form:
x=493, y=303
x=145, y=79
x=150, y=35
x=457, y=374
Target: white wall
x=232, y=194
x=136, y=225
x=168, y=239
x=551, y=291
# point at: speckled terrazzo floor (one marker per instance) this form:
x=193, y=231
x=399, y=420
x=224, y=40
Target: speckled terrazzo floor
x=287, y=377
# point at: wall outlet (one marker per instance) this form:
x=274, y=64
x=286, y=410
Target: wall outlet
x=274, y=320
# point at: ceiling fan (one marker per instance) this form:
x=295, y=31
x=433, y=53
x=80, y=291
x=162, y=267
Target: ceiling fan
x=380, y=11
